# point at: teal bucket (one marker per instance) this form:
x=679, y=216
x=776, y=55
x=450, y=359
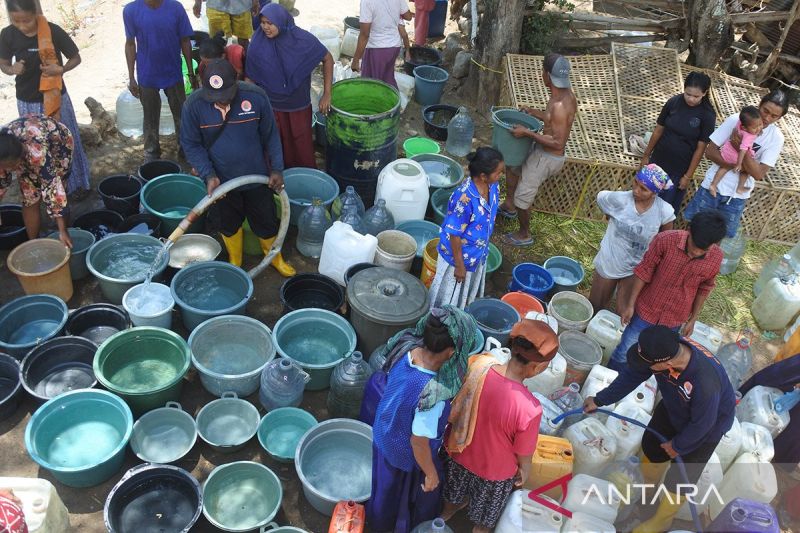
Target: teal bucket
x=429, y=82
x=27, y=321
x=439, y=200
x=567, y=273
x=281, y=430
x=82, y=240
x=241, y=496
x=514, y=150
x=121, y=261
x=80, y=436
x=170, y=197
x=303, y=184
x=210, y=289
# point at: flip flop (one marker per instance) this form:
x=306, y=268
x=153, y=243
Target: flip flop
x=511, y=215
x=511, y=240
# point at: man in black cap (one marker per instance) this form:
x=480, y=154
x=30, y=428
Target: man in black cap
x=228, y=130
x=697, y=407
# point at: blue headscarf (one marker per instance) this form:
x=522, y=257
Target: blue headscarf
x=280, y=65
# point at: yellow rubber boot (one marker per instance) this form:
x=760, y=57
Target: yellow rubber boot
x=661, y=521
x=284, y=269
x=234, y=245
x=653, y=472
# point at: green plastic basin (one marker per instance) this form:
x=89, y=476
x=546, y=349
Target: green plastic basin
x=281, y=430
x=241, y=496
x=439, y=201
x=170, y=197
x=495, y=259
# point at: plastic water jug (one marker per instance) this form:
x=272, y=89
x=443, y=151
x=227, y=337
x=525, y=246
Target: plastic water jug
x=736, y=358
x=282, y=384
x=349, y=198
x=549, y=412
x=314, y=221
x=593, y=444
x=567, y=398
x=494, y=348
x=348, y=517
x=582, y=522
x=460, y=130
x=592, y=495
x=626, y=476
x=342, y=248
x=758, y=407
x=525, y=515
x=788, y=400
x=377, y=219
x=349, y=42
x=351, y=217
x=543, y=317
x=777, y=268
x=130, y=115
x=748, y=477
x=406, y=189
x=550, y=379
x=405, y=86
x=44, y=511
x=629, y=436
x=732, y=251
x=436, y=525
x=166, y=125
x=778, y=303
x=710, y=476
x=329, y=37
x=347, y=386
x=606, y=328
x=598, y=379
x=729, y=445
x=708, y=336
x=745, y=516
x=644, y=395
x=551, y=460
x=756, y=439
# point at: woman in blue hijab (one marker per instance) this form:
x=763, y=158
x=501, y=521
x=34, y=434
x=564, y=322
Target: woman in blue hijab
x=280, y=60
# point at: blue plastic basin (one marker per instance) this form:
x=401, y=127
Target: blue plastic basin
x=422, y=231
x=210, y=289
x=303, y=184
x=495, y=318
x=531, y=278
x=170, y=197
x=281, y=430
x=30, y=320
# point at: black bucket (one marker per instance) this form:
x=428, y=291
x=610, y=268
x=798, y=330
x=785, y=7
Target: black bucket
x=10, y=386
x=158, y=167
x=422, y=55
x=120, y=193
x=59, y=365
x=153, y=224
x=311, y=290
x=97, y=322
x=100, y=223
x=12, y=227
x=353, y=270
x=153, y=497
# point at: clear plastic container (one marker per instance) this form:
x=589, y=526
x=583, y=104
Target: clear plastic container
x=350, y=216
x=433, y=526
x=710, y=476
x=629, y=436
x=592, y=495
x=166, y=124
x=378, y=358
x=748, y=477
x=756, y=439
x=781, y=267
x=549, y=412
x=459, y=134
x=550, y=379
x=282, y=384
x=566, y=399
x=778, y=304
x=732, y=251
x=606, y=328
x=708, y=336
x=349, y=198
x=598, y=379
x=593, y=444
x=525, y=515
x=377, y=219
x=347, y=386
x=729, y=445
x=342, y=248
x=736, y=358
x=314, y=221
x=130, y=115
x=758, y=407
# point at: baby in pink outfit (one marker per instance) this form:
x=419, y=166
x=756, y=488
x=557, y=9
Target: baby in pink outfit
x=748, y=128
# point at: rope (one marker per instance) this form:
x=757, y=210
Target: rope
x=584, y=188
x=484, y=67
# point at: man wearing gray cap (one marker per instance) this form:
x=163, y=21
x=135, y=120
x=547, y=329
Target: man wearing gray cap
x=546, y=157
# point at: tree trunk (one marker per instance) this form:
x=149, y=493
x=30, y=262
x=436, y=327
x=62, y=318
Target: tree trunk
x=499, y=33
x=766, y=68
x=711, y=32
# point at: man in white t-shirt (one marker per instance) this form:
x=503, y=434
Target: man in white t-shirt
x=382, y=32
x=767, y=148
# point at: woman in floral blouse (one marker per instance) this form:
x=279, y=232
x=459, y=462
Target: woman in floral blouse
x=37, y=151
x=466, y=230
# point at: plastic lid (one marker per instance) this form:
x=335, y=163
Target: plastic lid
x=387, y=296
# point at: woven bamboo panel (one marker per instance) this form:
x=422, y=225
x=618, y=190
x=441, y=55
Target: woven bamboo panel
x=784, y=225
x=786, y=174
x=639, y=115
x=560, y=194
x=758, y=215
x=646, y=71
x=524, y=76
x=593, y=82
x=605, y=178
x=790, y=126
x=734, y=93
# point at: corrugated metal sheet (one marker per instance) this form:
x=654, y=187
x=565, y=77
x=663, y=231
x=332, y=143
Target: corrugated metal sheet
x=773, y=30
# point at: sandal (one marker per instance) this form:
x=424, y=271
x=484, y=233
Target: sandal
x=511, y=240
x=511, y=215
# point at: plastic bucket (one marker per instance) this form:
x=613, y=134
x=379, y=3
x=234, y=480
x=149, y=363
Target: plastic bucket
x=436, y=118
x=171, y=197
x=429, y=84
x=531, y=278
x=152, y=222
x=241, y=496
x=145, y=366
x=121, y=261
x=228, y=423
x=311, y=290
x=120, y=193
x=567, y=273
x=573, y=311
x=351, y=23
x=581, y=352
x=414, y=146
x=42, y=267
x=164, y=435
x=303, y=184
x=429, y=259
x=153, y=308
x=209, y=289
x=495, y=318
x=80, y=436
x=29, y=320
x=12, y=226
x=82, y=240
x=396, y=249
x=100, y=223
x=515, y=150
x=442, y=171
x=153, y=497
x=97, y=322
x=212, y=344
x=494, y=260
x=281, y=429
x=421, y=55
x=10, y=385
x=355, y=269
x=157, y=168
x=523, y=302
x=421, y=230
x=439, y=200
x=57, y=366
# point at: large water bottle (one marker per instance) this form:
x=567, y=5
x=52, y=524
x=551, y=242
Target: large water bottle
x=349, y=198
x=433, y=526
x=347, y=386
x=166, y=125
x=736, y=358
x=777, y=268
x=130, y=115
x=459, y=134
x=350, y=216
x=378, y=358
x=314, y=221
x=377, y=219
x=567, y=398
x=282, y=384
x=732, y=250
